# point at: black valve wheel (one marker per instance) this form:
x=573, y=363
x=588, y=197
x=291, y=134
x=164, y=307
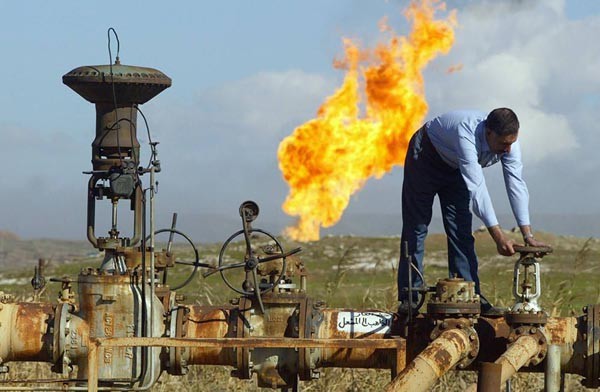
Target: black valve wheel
x=265, y=249
x=194, y=264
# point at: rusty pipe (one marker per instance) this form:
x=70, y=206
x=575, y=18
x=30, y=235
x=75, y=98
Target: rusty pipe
x=518, y=354
x=207, y=322
x=373, y=358
x=24, y=332
x=440, y=356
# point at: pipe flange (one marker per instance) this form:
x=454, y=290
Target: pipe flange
x=532, y=318
x=591, y=318
x=454, y=297
x=537, y=333
x=444, y=309
x=462, y=324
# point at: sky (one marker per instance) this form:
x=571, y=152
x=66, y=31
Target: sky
x=245, y=74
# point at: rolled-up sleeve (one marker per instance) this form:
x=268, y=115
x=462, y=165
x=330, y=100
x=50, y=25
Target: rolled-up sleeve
x=472, y=173
x=518, y=195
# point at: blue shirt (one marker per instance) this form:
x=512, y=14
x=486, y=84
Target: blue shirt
x=459, y=138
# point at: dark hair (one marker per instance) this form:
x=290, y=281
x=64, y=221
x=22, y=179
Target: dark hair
x=503, y=122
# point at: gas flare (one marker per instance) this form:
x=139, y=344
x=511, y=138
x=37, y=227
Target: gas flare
x=327, y=159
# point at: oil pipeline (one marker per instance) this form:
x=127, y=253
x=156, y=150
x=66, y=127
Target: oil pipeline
x=125, y=325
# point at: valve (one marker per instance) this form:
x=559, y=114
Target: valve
x=254, y=257
x=527, y=287
x=168, y=253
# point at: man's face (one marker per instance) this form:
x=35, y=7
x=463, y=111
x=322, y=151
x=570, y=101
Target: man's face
x=500, y=144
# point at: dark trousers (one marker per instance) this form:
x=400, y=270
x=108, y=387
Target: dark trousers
x=427, y=175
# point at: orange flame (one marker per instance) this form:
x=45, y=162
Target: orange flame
x=329, y=158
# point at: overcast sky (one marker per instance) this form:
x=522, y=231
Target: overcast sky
x=246, y=73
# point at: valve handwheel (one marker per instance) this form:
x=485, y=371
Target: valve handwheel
x=270, y=248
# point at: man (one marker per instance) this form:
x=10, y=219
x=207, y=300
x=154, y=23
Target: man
x=445, y=158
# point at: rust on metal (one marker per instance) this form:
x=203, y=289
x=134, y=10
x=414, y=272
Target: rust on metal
x=433, y=362
x=209, y=322
x=26, y=332
x=490, y=377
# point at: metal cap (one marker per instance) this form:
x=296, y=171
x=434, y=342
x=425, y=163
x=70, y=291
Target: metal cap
x=133, y=84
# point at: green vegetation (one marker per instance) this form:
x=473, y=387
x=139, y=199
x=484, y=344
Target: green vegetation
x=358, y=272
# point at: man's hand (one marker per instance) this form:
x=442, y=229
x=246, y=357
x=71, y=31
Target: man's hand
x=530, y=241
x=503, y=244
x=528, y=237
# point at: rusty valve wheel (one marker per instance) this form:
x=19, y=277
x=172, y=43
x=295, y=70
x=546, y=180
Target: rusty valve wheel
x=194, y=264
x=273, y=250
x=251, y=263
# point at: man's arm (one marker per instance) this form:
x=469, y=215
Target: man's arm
x=472, y=173
x=518, y=195
x=503, y=243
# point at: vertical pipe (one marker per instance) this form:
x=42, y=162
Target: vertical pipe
x=489, y=378
x=152, y=266
x=552, y=376
x=513, y=359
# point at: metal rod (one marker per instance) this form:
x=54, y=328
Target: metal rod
x=269, y=342
x=115, y=204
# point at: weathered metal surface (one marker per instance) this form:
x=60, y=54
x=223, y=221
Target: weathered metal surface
x=552, y=372
x=518, y=355
x=465, y=325
x=329, y=326
x=110, y=305
x=591, y=356
x=132, y=84
x=25, y=332
x=292, y=343
x=526, y=317
x=454, y=296
x=536, y=333
x=490, y=377
x=438, y=358
x=209, y=322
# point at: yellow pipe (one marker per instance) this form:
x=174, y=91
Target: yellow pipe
x=438, y=358
x=513, y=359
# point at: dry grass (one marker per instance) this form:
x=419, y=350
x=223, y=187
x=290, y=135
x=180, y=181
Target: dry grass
x=341, y=274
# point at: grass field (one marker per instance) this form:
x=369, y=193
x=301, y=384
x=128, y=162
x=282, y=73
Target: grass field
x=359, y=272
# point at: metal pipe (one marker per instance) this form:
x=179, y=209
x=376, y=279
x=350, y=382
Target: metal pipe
x=440, y=356
x=513, y=359
x=552, y=372
x=331, y=327
x=24, y=332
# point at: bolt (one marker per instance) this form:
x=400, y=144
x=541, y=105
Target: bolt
x=585, y=309
x=461, y=365
x=533, y=330
x=459, y=326
x=443, y=325
x=518, y=331
x=472, y=337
